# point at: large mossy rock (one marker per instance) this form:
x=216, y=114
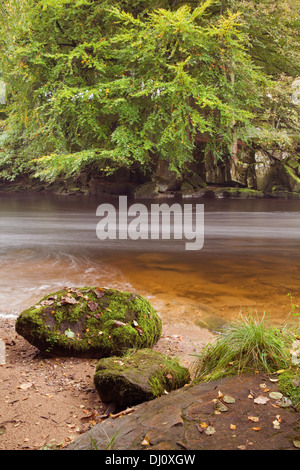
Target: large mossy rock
x=137, y=377
x=90, y=322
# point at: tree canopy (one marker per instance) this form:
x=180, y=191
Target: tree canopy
x=109, y=84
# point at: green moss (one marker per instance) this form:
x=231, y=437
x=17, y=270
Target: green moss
x=90, y=322
x=289, y=386
x=138, y=376
x=292, y=173
x=244, y=192
x=170, y=376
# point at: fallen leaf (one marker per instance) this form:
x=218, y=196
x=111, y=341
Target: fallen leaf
x=99, y=293
x=276, y=424
x=297, y=444
x=258, y=428
x=220, y=406
x=284, y=402
x=276, y=395
x=92, y=306
x=139, y=330
x=261, y=400
x=228, y=399
x=232, y=426
x=69, y=333
x=295, y=382
x=210, y=430
x=68, y=300
x=255, y=419
x=146, y=442
x=25, y=386
x=46, y=302
x=119, y=323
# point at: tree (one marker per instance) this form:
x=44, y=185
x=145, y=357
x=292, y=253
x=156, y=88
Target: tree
x=115, y=84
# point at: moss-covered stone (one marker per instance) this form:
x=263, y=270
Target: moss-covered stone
x=90, y=322
x=289, y=385
x=137, y=377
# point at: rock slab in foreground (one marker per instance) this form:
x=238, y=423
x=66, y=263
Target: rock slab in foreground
x=90, y=322
x=137, y=377
x=187, y=419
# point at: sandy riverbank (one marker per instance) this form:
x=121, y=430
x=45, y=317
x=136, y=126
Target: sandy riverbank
x=48, y=402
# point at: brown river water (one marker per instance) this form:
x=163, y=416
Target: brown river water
x=250, y=261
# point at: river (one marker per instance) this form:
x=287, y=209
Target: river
x=250, y=260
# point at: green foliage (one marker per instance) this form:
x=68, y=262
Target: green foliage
x=108, y=84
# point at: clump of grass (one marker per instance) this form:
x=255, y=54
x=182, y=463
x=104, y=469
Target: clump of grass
x=245, y=345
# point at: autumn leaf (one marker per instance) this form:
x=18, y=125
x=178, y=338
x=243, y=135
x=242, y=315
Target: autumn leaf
x=255, y=419
x=99, y=293
x=68, y=300
x=228, y=399
x=69, y=333
x=119, y=323
x=276, y=395
x=92, y=306
x=140, y=331
x=210, y=430
x=276, y=424
x=261, y=400
x=145, y=441
x=25, y=386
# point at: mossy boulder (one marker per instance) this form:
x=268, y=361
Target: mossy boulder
x=137, y=377
x=90, y=322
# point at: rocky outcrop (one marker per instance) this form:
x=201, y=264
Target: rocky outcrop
x=90, y=322
x=137, y=377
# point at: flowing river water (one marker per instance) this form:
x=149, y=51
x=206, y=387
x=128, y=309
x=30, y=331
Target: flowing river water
x=250, y=261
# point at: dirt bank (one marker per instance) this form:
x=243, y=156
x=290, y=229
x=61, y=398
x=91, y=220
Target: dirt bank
x=48, y=402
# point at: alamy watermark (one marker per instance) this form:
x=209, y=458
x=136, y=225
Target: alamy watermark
x=160, y=221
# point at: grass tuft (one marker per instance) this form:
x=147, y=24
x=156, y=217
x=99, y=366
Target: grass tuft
x=246, y=345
